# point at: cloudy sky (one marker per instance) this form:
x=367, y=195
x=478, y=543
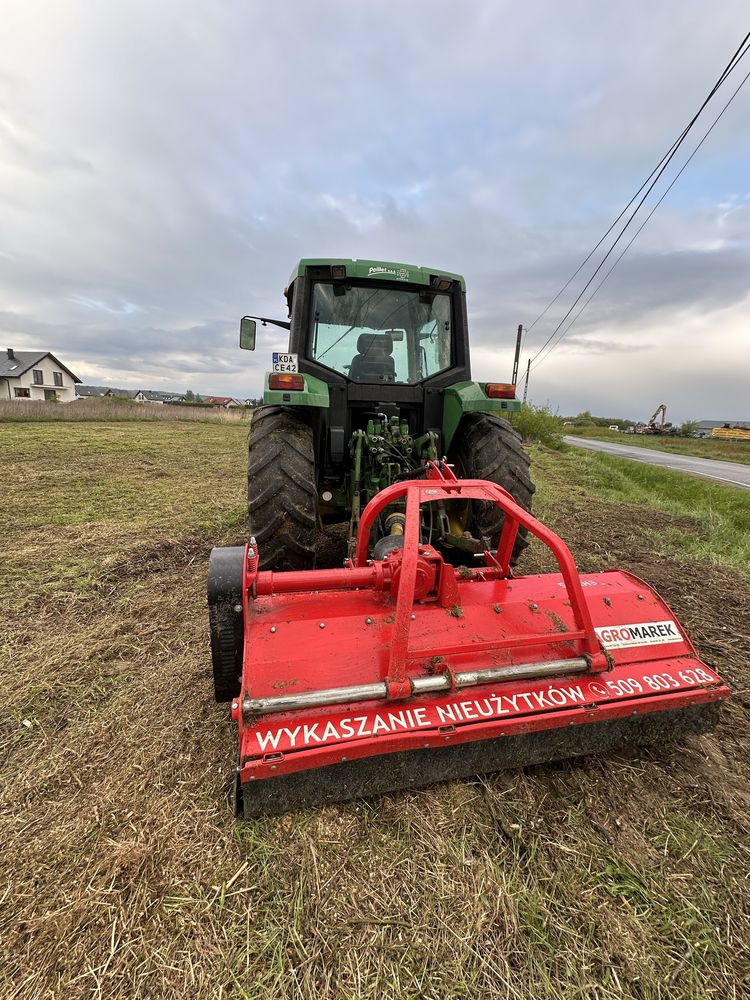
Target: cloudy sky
x=162, y=166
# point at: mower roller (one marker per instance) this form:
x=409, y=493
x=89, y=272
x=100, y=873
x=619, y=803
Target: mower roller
x=400, y=670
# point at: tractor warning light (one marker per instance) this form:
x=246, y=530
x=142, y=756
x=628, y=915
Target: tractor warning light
x=500, y=390
x=286, y=382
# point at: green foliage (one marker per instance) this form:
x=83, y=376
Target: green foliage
x=586, y=419
x=107, y=401
x=716, y=518
x=538, y=425
x=689, y=428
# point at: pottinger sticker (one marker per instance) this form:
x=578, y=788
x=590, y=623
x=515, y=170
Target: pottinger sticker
x=641, y=634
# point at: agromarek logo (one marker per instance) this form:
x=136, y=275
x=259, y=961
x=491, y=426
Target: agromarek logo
x=401, y=274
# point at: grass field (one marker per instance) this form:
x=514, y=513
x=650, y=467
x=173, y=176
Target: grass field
x=702, y=519
x=124, y=874
x=716, y=448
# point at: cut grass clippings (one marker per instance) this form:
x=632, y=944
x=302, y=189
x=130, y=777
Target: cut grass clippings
x=124, y=874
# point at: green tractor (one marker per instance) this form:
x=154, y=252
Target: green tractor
x=375, y=384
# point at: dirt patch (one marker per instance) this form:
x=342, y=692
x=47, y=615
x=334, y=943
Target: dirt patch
x=126, y=876
x=164, y=556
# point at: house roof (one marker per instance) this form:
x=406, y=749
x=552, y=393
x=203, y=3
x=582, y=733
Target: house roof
x=122, y=393
x=91, y=390
x=23, y=360
x=222, y=400
x=160, y=394
x=110, y=390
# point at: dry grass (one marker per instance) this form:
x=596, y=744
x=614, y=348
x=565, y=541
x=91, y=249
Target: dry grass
x=125, y=875
x=99, y=409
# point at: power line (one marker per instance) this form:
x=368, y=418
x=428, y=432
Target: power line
x=643, y=224
x=728, y=68
x=650, y=188
x=658, y=171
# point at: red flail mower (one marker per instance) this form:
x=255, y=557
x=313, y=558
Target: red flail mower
x=404, y=671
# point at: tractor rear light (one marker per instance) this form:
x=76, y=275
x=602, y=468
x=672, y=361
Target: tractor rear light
x=500, y=390
x=286, y=382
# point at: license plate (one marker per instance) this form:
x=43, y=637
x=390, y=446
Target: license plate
x=285, y=363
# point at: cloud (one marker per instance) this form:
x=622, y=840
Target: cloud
x=163, y=167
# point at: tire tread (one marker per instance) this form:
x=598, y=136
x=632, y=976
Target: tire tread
x=489, y=448
x=281, y=489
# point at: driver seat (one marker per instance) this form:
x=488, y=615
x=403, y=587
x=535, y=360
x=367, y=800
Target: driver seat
x=373, y=362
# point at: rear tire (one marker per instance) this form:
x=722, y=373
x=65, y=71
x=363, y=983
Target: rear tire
x=487, y=447
x=281, y=489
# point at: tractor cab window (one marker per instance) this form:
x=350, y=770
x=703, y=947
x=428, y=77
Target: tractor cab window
x=380, y=335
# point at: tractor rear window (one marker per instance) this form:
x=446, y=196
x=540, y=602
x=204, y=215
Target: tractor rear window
x=396, y=335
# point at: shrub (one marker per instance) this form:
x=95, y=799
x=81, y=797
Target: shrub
x=538, y=425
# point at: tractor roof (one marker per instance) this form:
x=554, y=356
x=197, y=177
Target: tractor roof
x=385, y=269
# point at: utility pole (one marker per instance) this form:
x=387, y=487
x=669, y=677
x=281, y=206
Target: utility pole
x=526, y=386
x=514, y=380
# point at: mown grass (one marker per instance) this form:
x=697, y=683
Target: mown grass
x=713, y=448
x=124, y=874
x=707, y=520
x=78, y=497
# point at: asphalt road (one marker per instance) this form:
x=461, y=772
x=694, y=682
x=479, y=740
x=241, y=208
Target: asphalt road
x=722, y=472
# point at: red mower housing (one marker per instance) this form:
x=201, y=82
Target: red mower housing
x=404, y=671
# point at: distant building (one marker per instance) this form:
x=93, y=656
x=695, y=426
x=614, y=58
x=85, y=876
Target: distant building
x=35, y=375
x=706, y=426
x=226, y=402
x=91, y=391
x=137, y=395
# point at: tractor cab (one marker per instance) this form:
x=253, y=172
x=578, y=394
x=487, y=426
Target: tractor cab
x=380, y=324
x=371, y=380
x=379, y=335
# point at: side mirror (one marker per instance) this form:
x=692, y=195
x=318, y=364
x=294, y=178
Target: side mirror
x=247, y=334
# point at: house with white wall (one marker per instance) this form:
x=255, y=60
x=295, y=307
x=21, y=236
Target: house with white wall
x=35, y=375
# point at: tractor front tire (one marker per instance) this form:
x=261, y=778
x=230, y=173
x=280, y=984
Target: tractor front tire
x=281, y=489
x=487, y=447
